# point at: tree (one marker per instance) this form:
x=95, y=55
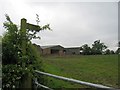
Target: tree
x=119, y=44
x=117, y=51
x=98, y=47
x=107, y=51
x=17, y=65
x=112, y=52
x=86, y=50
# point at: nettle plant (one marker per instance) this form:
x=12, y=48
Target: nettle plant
x=15, y=63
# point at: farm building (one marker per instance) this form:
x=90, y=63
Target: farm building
x=52, y=49
x=57, y=50
x=72, y=51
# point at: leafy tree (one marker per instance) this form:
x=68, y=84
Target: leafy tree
x=86, y=50
x=107, y=51
x=119, y=44
x=117, y=51
x=112, y=52
x=98, y=47
x=13, y=70
x=10, y=43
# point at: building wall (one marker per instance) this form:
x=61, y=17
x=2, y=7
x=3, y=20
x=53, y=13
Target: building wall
x=61, y=53
x=46, y=51
x=57, y=50
x=72, y=51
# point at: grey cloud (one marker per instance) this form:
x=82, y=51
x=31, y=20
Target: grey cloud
x=75, y=24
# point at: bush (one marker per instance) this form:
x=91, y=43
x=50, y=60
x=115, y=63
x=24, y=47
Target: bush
x=17, y=63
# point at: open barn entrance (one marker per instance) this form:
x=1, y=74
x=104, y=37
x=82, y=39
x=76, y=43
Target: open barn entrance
x=54, y=51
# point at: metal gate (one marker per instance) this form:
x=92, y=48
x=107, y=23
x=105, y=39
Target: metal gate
x=69, y=80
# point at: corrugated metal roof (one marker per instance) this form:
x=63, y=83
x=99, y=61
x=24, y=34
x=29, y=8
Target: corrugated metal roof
x=49, y=46
x=72, y=48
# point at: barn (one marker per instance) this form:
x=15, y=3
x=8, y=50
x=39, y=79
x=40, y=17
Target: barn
x=57, y=50
x=52, y=49
x=72, y=51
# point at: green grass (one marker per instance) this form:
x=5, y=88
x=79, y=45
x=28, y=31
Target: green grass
x=99, y=69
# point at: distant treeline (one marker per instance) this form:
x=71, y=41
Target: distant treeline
x=97, y=48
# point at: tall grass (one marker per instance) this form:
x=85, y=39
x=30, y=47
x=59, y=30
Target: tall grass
x=99, y=69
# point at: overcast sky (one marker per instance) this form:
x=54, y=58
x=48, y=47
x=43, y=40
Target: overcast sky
x=72, y=23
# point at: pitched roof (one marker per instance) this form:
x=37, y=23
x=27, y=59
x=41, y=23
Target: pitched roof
x=49, y=46
x=72, y=48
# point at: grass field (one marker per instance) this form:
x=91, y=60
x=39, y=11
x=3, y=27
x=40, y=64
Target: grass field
x=99, y=69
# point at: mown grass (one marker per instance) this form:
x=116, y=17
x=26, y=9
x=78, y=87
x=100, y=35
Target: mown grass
x=99, y=69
